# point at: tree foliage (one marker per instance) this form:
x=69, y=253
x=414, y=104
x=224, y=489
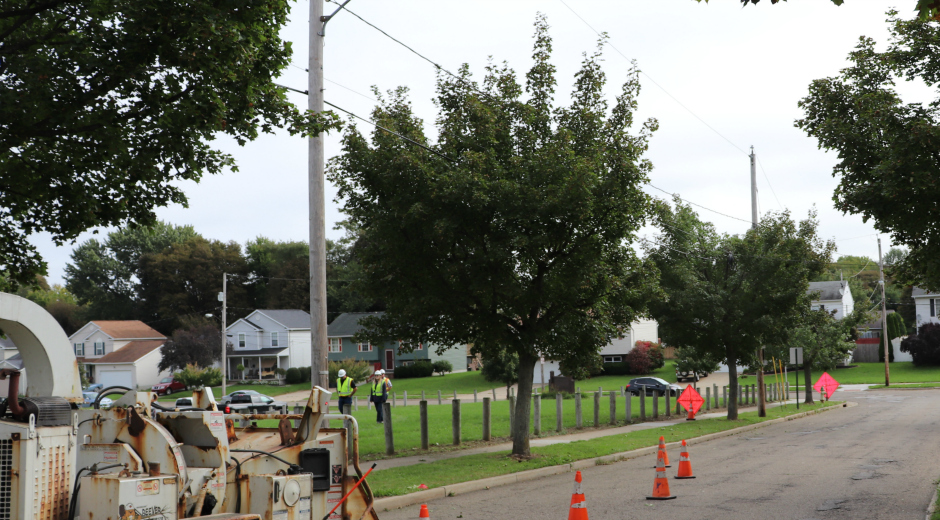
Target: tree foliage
x=512, y=232
x=725, y=295
x=279, y=274
x=106, y=105
x=199, y=345
x=888, y=149
x=926, y=9
x=825, y=340
x=924, y=346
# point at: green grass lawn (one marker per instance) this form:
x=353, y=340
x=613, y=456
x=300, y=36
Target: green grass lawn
x=905, y=385
x=874, y=373
x=403, y=480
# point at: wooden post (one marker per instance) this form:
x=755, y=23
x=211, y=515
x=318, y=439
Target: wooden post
x=423, y=405
x=455, y=420
x=668, y=408
x=655, y=404
x=512, y=406
x=422, y=395
x=643, y=402
x=474, y=395
x=708, y=398
x=597, y=409
x=559, y=411
x=404, y=399
x=439, y=397
x=613, y=407
x=394, y=398
x=724, y=396
x=578, y=419
x=715, y=394
x=455, y=393
x=387, y=421
x=356, y=403
x=487, y=433
x=494, y=395
x=537, y=415
x=628, y=408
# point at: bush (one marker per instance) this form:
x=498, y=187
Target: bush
x=924, y=346
x=212, y=377
x=655, y=352
x=293, y=376
x=192, y=376
x=442, y=366
x=616, y=369
x=639, y=360
x=552, y=394
x=358, y=370
x=419, y=369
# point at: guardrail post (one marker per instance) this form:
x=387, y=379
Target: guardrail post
x=423, y=412
x=387, y=422
x=394, y=399
x=655, y=404
x=597, y=409
x=404, y=401
x=628, y=407
x=439, y=397
x=724, y=397
x=643, y=402
x=512, y=406
x=537, y=415
x=668, y=407
x=487, y=413
x=578, y=420
x=708, y=398
x=613, y=407
x=422, y=395
x=559, y=412
x=474, y=395
x=455, y=419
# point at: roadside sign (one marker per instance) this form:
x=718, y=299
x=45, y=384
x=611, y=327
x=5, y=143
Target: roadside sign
x=826, y=382
x=690, y=400
x=796, y=355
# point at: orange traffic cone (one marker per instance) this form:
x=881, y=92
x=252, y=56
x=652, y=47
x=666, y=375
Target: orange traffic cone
x=661, y=483
x=685, y=465
x=424, y=512
x=578, y=510
x=662, y=451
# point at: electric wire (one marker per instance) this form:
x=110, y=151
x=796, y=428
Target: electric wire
x=695, y=204
x=768, y=181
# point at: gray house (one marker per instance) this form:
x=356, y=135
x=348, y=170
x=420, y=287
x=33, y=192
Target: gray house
x=266, y=340
x=386, y=355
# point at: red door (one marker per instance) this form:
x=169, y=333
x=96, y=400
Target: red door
x=389, y=360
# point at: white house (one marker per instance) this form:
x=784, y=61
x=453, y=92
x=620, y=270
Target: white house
x=925, y=306
x=268, y=339
x=614, y=352
x=120, y=353
x=832, y=296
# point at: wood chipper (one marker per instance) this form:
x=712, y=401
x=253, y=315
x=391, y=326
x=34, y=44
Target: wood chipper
x=139, y=459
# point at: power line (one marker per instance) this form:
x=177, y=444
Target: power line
x=298, y=67
x=699, y=205
x=689, y=110
x=768, y=181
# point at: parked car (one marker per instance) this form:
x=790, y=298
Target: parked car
x=688, y=375
x=227, y=398
x=184, y=403
x=167, y=386
x=89, y=400
x=253, y=403
x=653, y=383
x=97, y=387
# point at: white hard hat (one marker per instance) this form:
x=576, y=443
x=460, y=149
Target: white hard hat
x=378, y=372
x=382, y=371
x=342, y=373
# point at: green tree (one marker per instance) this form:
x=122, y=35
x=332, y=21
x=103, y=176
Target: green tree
x=199, y=344
x=106, y=105
x=927, y=9
x=825, y=341
x=105, y=275
x=185, y=280
x=726, y=295
x=887, y=148
x=278, y=276
x=513, y=232
x=500, y=366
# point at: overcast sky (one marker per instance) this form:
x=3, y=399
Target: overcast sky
x=740, y=70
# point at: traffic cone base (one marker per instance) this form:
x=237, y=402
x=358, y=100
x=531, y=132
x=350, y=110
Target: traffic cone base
x=424, y=512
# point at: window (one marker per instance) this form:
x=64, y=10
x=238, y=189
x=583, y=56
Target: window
x=419, y=347
x=613, y=359
x=241, y=340
x=99, y=348
x=365, y=347
x=274, y=339
x=870, y=334
x=822, y=308
x=933, y=307
x=79, y=349
x=336, y=345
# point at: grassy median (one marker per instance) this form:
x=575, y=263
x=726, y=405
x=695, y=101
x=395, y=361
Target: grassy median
x=404, y=480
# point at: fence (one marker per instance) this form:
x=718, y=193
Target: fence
x=866, y=353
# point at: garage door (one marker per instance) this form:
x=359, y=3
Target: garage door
x=116, y=378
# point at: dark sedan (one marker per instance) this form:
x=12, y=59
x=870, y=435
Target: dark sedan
x=651, y=384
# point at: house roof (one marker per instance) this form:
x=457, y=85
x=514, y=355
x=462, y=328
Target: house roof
x=347, y=324
x=258, y=352
x=829, y=290
x=875, y=325
x=290, y=318
x=127, y=329
x=917, y=291
x=128, y=353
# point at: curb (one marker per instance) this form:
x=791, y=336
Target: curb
x=932, y=506
x=400, y=501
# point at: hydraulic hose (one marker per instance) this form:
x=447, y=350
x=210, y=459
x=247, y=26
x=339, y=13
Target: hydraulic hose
x=104, y=392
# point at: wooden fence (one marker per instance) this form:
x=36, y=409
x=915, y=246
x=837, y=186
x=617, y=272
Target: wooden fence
x=866, y=353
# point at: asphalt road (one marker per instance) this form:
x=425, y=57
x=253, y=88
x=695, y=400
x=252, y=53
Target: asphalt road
x=878, y=460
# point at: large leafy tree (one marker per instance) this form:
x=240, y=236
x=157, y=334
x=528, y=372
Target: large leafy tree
x=825, y=340
x=199, y=344
x=888, y=149
x=105, y=105
x=278, y=274
x=105, y=275
x=727, y=295
x=925, y=8
x=512, y=231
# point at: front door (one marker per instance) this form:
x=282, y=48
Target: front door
x=390, y=360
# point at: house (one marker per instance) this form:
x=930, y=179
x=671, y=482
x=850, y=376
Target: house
x=832, y=296
x=385, y=355
x=614, y=352
x=925, y=306
x=120, y=353
x=267, y=340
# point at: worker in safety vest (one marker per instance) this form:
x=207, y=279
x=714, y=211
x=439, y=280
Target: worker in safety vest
x=378, y=394
x=387, y=381
x=346, y=388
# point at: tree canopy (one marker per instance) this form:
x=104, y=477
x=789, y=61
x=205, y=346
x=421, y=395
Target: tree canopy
x=512, y=231
x=888, y=149
x=925, y=8
x=727, y=296
x=105, y=105
x=199, y=344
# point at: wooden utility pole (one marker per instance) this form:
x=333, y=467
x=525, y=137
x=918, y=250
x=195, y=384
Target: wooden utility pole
x=319, y=372
x=884, y=314
x=224, y=333
x=761, y=395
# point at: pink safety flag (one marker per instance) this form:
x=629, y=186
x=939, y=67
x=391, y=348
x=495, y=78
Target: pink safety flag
x=826, y=381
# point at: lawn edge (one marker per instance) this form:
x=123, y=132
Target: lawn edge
x=932, y=505
x=400, y=501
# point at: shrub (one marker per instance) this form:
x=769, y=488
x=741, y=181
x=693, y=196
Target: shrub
x=358, y=370
x=192, y=376
x=655, y=352
x=293, y=376
x=419, y=369
x=442, y=366
x=639, y=360
x=552, y=394
x=924, y=346
x=616, y=369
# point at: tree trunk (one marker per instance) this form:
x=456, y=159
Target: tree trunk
x=809, y=381
x=732, y=389
x=761, y=389
x=520, y=416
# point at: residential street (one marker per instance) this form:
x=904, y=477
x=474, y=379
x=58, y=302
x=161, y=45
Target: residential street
x=877, y=460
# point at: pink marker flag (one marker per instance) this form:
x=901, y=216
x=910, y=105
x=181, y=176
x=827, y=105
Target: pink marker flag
x=826, y=381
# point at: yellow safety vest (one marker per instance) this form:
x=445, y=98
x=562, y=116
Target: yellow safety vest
x=377, y=387
x=344, y=389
